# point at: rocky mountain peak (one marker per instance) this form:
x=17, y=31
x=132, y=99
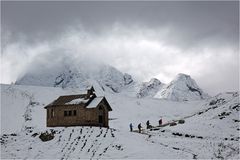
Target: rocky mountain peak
x=149, y=88
x=182, y=88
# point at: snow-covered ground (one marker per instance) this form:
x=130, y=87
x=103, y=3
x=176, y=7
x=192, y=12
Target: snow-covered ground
x=211, y=128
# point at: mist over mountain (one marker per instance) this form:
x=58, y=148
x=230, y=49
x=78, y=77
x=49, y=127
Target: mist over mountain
x=69, y=73
x=81, y=74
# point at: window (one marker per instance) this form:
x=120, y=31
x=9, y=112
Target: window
x=70, y=113
x=52, y=113
x=100, y=107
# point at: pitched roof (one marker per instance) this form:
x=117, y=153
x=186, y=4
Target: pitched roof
x=62, y=100
x=91, y=102
x=94, y=102
x=78, y=101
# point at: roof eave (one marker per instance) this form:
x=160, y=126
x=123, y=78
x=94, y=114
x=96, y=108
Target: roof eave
x=108, y=105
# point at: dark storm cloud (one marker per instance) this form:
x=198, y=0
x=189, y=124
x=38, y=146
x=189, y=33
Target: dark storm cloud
x=146, y=39
x=191, y=22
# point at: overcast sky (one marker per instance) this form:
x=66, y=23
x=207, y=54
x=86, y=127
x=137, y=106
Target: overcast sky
x=144, y=39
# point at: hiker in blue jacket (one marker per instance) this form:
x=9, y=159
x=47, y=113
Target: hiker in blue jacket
x=131, y=127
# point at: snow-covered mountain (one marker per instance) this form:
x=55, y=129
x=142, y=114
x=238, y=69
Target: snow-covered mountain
x=182, y=88
x=149, y=89
x=71, y=75
x=210, y=129
x=105, y=78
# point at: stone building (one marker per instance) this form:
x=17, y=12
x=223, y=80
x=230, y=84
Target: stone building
x=78, y=110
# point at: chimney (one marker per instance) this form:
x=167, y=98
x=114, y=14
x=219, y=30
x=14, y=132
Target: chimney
x=90, y=92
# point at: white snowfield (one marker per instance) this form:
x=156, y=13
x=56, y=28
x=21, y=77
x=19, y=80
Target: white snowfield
x=211, y=128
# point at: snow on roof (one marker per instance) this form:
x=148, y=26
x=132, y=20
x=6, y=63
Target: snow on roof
x=77, y=101
x=95, y=102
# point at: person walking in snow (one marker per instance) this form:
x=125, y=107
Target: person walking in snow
x=139, y=127
x=148, y=124
x=131, y=127
x=160, y=122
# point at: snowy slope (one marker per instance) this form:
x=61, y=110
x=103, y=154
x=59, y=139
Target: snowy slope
x=215, y=137
x=182, y=88
x=25, y=101
x=211, y=132
x=221, y=112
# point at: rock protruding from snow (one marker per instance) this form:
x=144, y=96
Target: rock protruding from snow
x=127, y=79
x=149, y=88
x=182, y=88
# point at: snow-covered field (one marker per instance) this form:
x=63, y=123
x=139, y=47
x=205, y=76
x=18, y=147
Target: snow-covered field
x=211, y=128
